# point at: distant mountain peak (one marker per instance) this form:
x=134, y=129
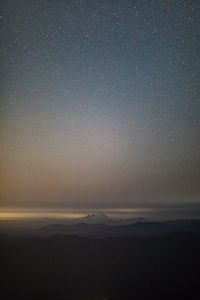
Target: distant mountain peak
x=97, y=217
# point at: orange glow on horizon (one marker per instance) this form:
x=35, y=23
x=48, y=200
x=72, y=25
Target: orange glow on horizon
x=38, y=215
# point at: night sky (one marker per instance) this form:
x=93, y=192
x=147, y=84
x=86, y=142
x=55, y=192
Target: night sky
x=100, y=104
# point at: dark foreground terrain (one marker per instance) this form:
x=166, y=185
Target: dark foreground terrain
x=70, y=267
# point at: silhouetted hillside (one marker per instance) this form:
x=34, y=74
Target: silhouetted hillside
x=70, y=267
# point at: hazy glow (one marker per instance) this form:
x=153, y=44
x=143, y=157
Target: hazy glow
x=13, y=214
x=37, y=215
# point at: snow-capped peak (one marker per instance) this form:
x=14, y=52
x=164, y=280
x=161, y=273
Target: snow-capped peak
x=96, y=218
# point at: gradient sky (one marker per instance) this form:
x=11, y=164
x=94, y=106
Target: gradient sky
x=100, y=104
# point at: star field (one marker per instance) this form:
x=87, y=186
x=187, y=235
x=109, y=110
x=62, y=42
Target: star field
x=100, y=103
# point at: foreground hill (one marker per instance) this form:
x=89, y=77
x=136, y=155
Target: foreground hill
x=75, y=268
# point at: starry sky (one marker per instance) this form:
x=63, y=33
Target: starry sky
x=100, y=104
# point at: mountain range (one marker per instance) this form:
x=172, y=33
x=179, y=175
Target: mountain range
x=101, y=226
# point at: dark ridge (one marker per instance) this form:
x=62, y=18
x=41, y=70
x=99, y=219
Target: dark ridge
x=72, y=267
